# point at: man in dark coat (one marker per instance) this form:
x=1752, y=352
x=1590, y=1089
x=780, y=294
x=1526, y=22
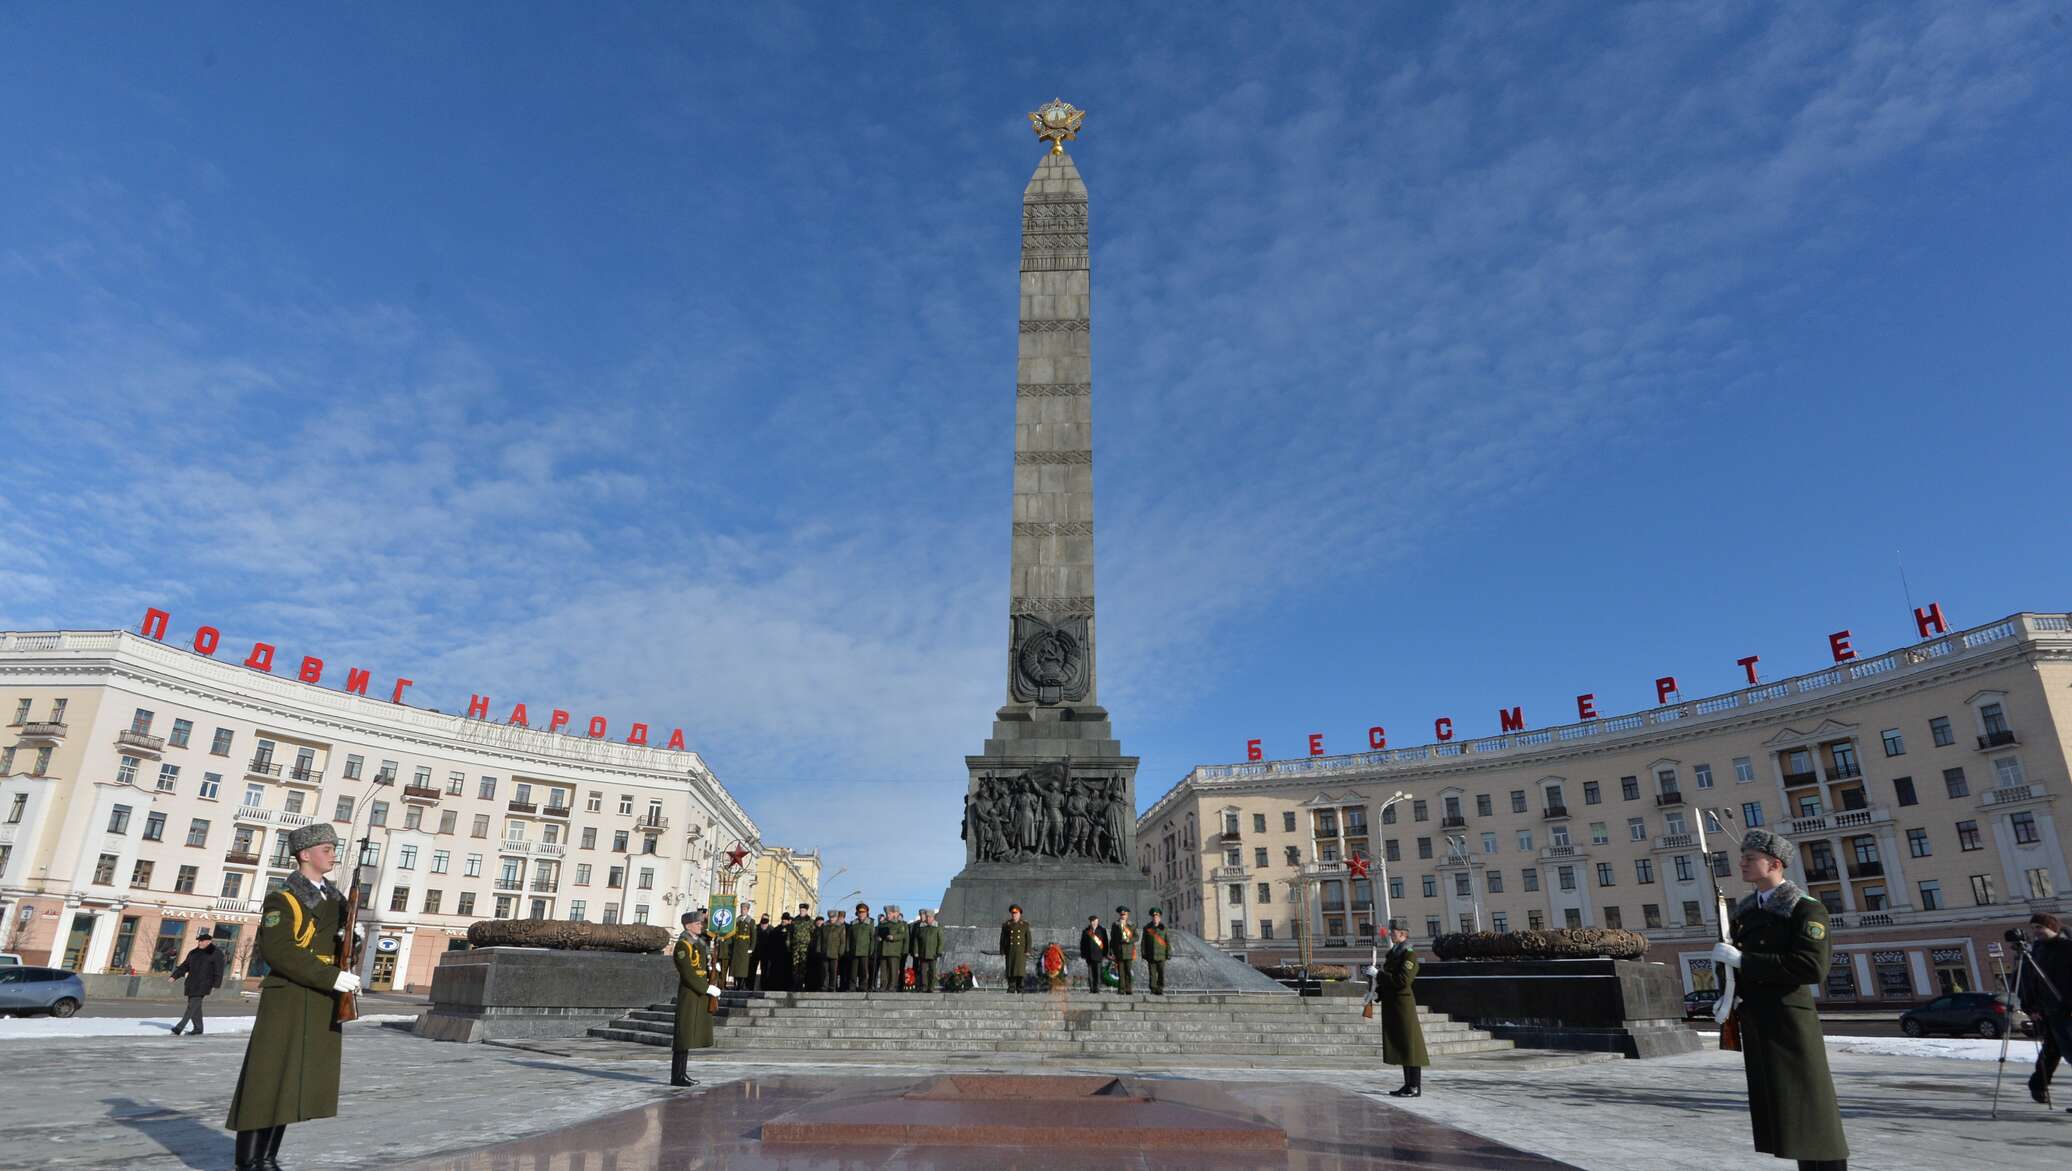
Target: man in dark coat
x=2047, y=995
x=203, y=969
x=292, y=1063
x=1093, y=948
x=775, y=964
x=816, y=957
x=1780, y=949
x=694, y=994
x=1402, y=1037
x=863, y=941
x=1158, y=948
x=1014, y=947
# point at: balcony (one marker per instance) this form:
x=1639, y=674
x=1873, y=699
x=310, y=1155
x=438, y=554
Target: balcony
x=1453, y=821
x=1800, y=780
x=238, y=858
x=1677, y=842
x=1550, y=853
x=510, y=884
x=234, y=907
x=1227, y=874
x=421, y=794
x=1876, y=919
x=1999, y=739
x=2010, y=794
x=557, y=810
x=1820, y=823
x=1867, y=870
x=43, y=731
x=287, y=820
x=550, y=849
x=263, y=769
x=305, y=776
x=253, y=813
x=514, y=846
x=1231, y=835
x=542, y=888
x=1670, y=798
x=1553, y=812
x=652, y=825
x=1843, y=772
x=143, y=742
x=1823, y=874
x=522, y=807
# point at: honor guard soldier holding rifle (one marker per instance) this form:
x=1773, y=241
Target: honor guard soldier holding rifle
x=1158, y=948
x=1122, y=945
x=292, y=1063
x=1780, y=950
x=695, y=997
x=1402, y=1037
x=1014, y=947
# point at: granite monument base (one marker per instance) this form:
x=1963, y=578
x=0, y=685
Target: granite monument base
x=1196, y=966
x=506, y=993
x=1593, y=1005
x=1051, y=894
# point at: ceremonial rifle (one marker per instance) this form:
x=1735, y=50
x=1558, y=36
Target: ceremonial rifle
x=348, y=1004
x=1357, y=865
x=1723, y=1010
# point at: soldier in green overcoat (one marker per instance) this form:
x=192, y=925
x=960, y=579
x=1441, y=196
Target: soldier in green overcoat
x=292, y=1062
x=799, y=943
x=924, y=943
x=863, y=938
x=1402, y=1038
x=1780, y=949
x=741, y=954
x=695, y=992
x=1014, y=947
x=832, y=939
x=892, y=947
x=1158, y=948
x=1122, y=948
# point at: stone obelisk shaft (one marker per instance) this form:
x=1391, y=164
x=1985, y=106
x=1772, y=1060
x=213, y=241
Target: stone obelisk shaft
x=1053, y=561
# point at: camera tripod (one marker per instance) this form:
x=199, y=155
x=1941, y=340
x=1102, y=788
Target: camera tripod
x=2023, y=964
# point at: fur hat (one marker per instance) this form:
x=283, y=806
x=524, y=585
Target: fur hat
x=1762, y=841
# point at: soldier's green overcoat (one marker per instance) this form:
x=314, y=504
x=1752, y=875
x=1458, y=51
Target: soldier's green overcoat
x=833, y=940
x=1157, y=947
x=892, y=945
x=925, y=942
x=693, y=956
x=1791, y=1094
x=292, y=1062
x=800, y=942
x=1402, y=1038
x=1014, y=949
x=862, y=932
x=740, y=950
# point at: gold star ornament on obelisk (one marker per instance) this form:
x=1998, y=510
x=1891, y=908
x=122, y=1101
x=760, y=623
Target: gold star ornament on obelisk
x=1057, y=122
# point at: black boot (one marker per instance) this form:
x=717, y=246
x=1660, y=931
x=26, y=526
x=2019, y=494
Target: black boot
x=679, y=1068
x=2039, y=1090
x=1413, y=1083
x=249, y=1143
x=270, y=1154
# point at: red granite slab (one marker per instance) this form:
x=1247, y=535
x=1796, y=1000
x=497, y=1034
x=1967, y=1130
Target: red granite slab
x=1017, y=1110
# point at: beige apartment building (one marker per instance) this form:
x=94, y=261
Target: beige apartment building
x=783, y=879
x=147, y=791
x=1920, y=786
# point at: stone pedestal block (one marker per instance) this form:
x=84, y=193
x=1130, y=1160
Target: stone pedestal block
x=500, y=993
x=1595, y=1005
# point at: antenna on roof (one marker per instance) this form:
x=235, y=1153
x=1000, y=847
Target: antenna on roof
x=1904, y=588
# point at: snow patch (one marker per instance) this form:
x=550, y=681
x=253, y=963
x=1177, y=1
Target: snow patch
x=50, y=1028
x=1958, y=1048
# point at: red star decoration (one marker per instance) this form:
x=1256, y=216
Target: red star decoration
x=735, y=855
x=1357, y=865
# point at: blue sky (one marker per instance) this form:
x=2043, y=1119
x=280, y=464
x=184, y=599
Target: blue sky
x=658, y=361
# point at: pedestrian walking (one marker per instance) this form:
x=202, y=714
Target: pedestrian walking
x=203, y=970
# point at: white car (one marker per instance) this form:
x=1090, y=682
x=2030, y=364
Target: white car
x=10, y=960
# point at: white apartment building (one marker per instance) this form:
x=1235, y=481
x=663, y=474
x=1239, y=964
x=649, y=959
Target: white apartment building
x=1920, y=785
x=147, y=791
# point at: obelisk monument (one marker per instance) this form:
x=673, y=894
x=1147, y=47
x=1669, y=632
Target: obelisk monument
x=1051, y=808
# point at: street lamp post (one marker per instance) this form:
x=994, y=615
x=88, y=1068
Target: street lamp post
x=1459, y=850
x=1387, y=920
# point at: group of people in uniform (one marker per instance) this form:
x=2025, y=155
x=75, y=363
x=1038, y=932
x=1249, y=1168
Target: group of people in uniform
x=1779, y=949
x=832, y=952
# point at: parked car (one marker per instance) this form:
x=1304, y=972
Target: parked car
x=1964, y=1014
x=24, y=990
x=9, y=960
x=1698, y=1003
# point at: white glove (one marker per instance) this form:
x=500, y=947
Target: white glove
x=346, y=982
x=1726, y=953
x=1370, y=971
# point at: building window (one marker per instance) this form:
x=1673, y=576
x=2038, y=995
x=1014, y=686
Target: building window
x=377, y=813
x=625, y=804
x=1265, y=893
x=1566, y=877
x=1535, y=920
x=582, y=874
x=399, y=899
x=440, y=860
x=211, y=783
x=466, y=905
x=2039, y=883
x=413, y=817
x=1665, y=780
x=1604, y=874
x=471, y=867
x=140, y=876
x=1967, y=836
x=576, y=909
x=1591, y=793
x=1994, y=718
x=353, y=765
x=1939, y=730
x=154, y=827
x=615, y=878
x=1873, y=898
x=406, y=857
x=104, y=870
x=1557, y=835
x=1685, y=872
x=480, y=826
x=1517, y=800
x=594, y=803
x=255, y=795
x=1424, y=847
x=183, y=882
x=1629, y=788
x=17, y=809
x=169, y=779
x=1744, y=770
x=1571, y=917
x=21, y=714
x=1703, y=773
x=1259, y=857
x=1488, y=842
x=1258, y=823
x=431, y=901
x=2024, y=829
x=119, y=818
x=1692, y=916
x=294, y=801
x=1931, y=895
x=2008, y=771
x=589, y=837
x=1895, y=744
x=1483, y=805
x=343, y=811
x=1953, y=780
x=1234, y=893
x=1430, y=886
x=1982, y=890
x=1525, y=841
x=1288, y=821
x=1643, y=870
x=486, y=790
x=182, y=731
x=449, y=820
x=619, y=841
x=1532, y=879
x=1554, y=798
x=125, y=768
x=1611, y=918
x=198, y=833
x=647, y=878
x=1599, y=834
x=1418, y=811
x=42, y=764
x=1432, y=927
x=233, y=884
x=1650, y=916
x=1917, y=843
